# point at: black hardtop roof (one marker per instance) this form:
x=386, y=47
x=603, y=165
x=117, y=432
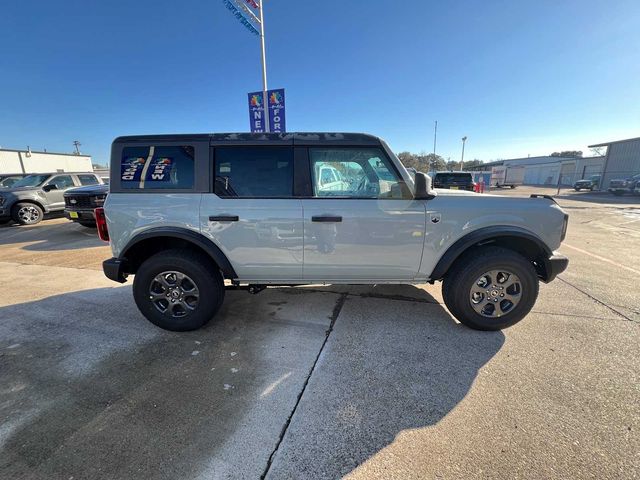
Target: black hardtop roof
x=58, y=173
x=299, y=138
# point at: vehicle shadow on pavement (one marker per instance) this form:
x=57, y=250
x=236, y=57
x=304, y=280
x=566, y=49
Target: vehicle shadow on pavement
x=49, y=237
x=90, y=389
x=388, y=366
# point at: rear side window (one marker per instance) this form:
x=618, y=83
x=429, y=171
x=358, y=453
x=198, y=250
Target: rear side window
x=254, y=172
x=157, y=167
x=87, y=180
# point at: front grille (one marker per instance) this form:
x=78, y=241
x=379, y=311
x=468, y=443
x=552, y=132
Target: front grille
x=618, y=183
x=79, y=202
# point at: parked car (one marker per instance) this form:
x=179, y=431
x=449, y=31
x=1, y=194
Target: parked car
x=7, y=180
x=28, y=199
x=619, y=186
x=454, y=181
x=186, y=212
x=590, y=183
x=80, y=203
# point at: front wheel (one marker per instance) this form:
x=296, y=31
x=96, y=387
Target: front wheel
x=178, y=290
x=26, y=213
x=490, y=288
x=576, y=189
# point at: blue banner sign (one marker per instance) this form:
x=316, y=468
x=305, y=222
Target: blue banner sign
x=276, y=111
x=256, y=112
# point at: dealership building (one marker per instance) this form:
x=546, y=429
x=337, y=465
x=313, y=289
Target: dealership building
x=621, y=160
x=28, y=161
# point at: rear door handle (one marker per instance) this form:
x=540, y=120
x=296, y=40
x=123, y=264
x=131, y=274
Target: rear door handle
x=224, y=218
x=326, y=218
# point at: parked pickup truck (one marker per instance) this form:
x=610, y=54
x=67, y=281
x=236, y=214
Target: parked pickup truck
x=187, y=212
x=620, y=186
x=80, y=203
x=28, y=199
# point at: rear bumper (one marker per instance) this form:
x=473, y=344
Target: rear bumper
x=114, y=270
x=555, y=265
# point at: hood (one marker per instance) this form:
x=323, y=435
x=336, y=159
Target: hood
x=99, y=189
x=447, y=191
x=19, y=189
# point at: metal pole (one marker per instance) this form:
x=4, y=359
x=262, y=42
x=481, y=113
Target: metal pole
x=435, y=136
x=265, y=100
x=464, y=139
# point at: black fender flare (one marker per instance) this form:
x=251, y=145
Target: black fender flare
x=189, y=236
x=485, y=236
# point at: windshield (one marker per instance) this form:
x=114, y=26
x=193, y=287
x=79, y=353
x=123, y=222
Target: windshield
x=31, y=181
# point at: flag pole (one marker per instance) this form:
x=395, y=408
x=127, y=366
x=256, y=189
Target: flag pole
x=265, y=100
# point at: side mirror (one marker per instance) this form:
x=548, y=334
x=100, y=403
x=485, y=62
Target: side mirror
x=51, y=186
x=423, y=187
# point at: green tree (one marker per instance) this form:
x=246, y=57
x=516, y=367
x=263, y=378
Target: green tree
x=568, y=153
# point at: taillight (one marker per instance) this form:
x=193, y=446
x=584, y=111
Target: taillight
x=101, y=223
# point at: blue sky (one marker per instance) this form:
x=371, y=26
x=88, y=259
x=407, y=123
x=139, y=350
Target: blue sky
x=516, y=77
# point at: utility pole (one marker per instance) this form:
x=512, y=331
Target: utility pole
x=265, y=100
x=77, y=144
x=435, y=136
x=432, y=165
x=464, y=139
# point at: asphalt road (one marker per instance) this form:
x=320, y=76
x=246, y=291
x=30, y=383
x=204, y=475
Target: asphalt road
x=321, y=382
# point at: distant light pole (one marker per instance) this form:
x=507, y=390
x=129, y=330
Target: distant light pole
x=464, y=139
x=77, y=144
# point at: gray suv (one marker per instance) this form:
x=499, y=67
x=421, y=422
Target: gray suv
x=28, y=199
x=193, y=215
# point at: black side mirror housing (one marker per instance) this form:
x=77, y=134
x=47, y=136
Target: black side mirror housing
x=48, y=188
x=423, y=189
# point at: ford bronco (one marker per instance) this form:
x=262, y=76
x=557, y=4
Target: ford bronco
x=193, y=215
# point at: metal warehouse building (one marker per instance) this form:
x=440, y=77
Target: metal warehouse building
x=622, y=159
x=546, y=170
x=27, y=161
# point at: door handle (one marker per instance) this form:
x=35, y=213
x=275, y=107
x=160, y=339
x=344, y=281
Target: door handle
x=326, y=218
x=224, y=218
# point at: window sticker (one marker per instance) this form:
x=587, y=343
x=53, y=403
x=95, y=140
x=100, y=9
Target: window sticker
x=131, y=169
x=160, y=169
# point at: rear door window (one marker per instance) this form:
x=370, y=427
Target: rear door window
x=254, y=172
x=157, y=167
x=88, y=180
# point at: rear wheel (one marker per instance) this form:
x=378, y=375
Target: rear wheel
x=490, y=288
x=178, y=290
x=26, y=213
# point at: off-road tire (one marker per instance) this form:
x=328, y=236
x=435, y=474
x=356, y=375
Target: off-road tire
x=19, y=217
x=457, y=284
x=199, y=269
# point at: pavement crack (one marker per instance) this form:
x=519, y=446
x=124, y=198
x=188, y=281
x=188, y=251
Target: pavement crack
x=600, y=302
x=333, y=317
